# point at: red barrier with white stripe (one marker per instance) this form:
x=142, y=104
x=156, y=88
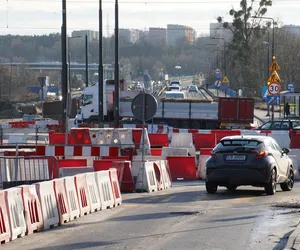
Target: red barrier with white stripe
x=4, y=221
x=32, y=209
x=83, y=196
x=62, y=201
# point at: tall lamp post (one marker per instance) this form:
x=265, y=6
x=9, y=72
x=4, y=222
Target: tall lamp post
x=64, y=70
x=100, y=69
x=273, y=50
x=224, y=58
x=117, y=81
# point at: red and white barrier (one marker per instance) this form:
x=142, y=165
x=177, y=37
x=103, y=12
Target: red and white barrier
x=14, y=202
x=105, y=189
x=146, y=178
x=72, y=150
x=115, y=187
x=159, y=176
x=4, y=221
x=182, y=167
x=62, y=201
x=166, y=174
x=47, y=198
x=72, y=197
x=83, y=196
x=32, y=209
x=93, y=192
x=204, y=155
x=124, y=175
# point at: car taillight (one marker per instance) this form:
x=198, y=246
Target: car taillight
x=213, y=155
x=260, y=154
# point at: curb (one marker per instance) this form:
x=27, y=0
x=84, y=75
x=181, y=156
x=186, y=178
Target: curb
x=293, y=242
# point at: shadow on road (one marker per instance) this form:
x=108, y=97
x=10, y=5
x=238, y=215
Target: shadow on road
x=236, y=218
x=79, y=245
x=283, y=241
x=193, y=196
x=150, y=216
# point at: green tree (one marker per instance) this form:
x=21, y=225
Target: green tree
x=246, y=30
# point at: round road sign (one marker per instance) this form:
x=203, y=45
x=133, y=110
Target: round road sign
x=274, y=88
x=144, y=112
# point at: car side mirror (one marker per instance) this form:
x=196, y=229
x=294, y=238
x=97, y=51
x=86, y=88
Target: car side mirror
x=286, y=150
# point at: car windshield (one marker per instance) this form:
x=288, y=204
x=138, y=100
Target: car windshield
x=174, y=95
x=244, y=143
x=175, y=83
x=174, y=88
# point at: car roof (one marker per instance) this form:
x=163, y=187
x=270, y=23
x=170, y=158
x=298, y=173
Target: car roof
x=174, y=92
x=247, y=137
x=285, y=120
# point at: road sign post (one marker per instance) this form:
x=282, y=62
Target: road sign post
x=273, y=87
x=144, y=108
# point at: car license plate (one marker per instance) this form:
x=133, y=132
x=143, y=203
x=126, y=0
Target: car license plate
x=235, y=157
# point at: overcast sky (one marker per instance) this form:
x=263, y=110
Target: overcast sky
x=44, y=16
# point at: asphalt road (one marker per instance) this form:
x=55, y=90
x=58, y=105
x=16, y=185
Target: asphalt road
x=183, y=217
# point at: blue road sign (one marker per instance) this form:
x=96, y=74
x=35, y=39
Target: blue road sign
x=291, y=87
x=264, y=92
x=224, y=86
x=273, y=100
x=218, y=76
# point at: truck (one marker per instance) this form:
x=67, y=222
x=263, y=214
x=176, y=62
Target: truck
x=192, y=113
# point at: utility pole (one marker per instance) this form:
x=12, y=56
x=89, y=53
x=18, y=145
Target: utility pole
x=100, y=70
x=117, y=81
x=86, y=61
x=64, y=73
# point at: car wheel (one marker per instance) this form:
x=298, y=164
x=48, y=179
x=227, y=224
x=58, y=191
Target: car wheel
x=211, y=188
x=288, y=186
x=231, y=187
x=270, y=188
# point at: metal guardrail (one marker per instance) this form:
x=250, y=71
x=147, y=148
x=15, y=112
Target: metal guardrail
x=35, y=134
x=21, y=170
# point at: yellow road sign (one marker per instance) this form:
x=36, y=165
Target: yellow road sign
x=225, y=80
x=274, y=66
x=274, y=77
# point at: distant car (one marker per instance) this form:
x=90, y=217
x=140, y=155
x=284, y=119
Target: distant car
x=284, y=124
x=176, y=88
x=175, y=83
x=193, y=88
x=175, y=94
x=249, y=160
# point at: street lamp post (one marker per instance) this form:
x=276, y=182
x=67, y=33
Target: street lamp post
x=268, y=43
x=224, y=58
x=117, y=81
x=64, y=71
x=100, y=69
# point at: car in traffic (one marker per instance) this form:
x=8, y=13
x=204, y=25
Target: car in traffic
x=249, y=160
x=193, y=89
x=175, y=94
x=174, y=82
x=284, y=124
x=175, y=88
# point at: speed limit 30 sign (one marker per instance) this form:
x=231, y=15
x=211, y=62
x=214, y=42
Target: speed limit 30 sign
x=274, y=88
